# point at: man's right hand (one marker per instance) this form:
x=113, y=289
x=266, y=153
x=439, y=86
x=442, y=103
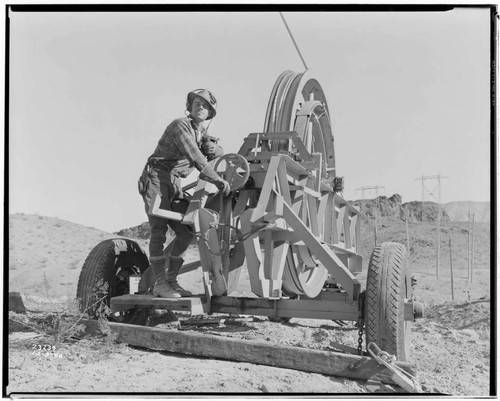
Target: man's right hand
x=224, y=187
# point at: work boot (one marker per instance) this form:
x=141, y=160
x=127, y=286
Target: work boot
x=175, y=264
x=161, y=287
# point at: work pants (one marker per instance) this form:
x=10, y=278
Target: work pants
x=167, y=184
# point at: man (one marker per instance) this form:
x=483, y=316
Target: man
x=178, y=153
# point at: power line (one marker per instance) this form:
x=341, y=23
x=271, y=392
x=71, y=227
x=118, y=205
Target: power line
x=373, y=187
x=293, y=40
x=425, y=190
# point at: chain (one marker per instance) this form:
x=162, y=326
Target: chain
x=361, y=324
x=361, y=321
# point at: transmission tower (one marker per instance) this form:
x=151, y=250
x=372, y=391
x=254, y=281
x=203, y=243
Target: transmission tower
x=435, y=195
x=370, y=188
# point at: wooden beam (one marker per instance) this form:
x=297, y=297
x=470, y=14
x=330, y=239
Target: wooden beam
x=307, y=309
x=211, y=254
x=155, y=210
x=331, y=261
x=347, y=229
x=257, y=352
x=253, y=253
x=267, y=189
x=197, y=304
x=235, y=267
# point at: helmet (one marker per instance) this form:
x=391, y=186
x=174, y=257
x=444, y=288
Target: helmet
x=204, y=94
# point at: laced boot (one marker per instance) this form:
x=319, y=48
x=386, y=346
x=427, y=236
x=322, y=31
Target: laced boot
x=175, y=264
x=161, y=288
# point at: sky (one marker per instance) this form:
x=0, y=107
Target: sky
x=91, y=93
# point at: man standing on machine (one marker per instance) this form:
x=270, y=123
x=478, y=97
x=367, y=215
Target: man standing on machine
x=179, y=151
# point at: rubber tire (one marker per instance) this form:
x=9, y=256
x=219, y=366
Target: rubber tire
x=388, y=285
x=105, y=261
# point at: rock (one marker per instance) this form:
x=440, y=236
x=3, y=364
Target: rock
x=16, y=303
x=469, y=332
x=393, y=208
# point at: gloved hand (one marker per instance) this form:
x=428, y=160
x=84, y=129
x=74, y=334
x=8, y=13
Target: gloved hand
x=208, y=147
x=211, y=150
x=223, y=186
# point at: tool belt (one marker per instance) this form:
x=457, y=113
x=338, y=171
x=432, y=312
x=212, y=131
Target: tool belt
x=144, y=179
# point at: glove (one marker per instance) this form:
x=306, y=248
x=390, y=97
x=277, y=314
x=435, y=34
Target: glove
x=223, y=186
x=211, y=150
x=208, y=147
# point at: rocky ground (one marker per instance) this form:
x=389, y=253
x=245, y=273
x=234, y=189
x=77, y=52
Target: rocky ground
x=451, y=346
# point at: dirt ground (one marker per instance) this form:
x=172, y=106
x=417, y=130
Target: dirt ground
x=451, y=346
x=450, y=349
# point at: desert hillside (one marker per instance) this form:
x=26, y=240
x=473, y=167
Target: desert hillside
x=46, y=254
x=450, y=346
x=459, y=211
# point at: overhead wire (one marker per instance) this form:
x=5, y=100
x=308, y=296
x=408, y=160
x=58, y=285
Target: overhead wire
x=293, y=40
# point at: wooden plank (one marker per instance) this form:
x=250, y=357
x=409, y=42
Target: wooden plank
x=304, y=308
x=241, y=203
x=257, y=352
x=197, y=201
x=340, y=223
x=332, y=296
x=357, y=233
x=335, y=237
x=211, y=259
x=225, y=232
x=318, y=159
x=190, y=267
x=283, y=187
x=267, y=189
x=196, y=305
x=313, y=214
x=247, y=146
x=235, y=267
x=296, y=168
x=252, y=253
x=352, y=229
x=342, y=202
x=274, y=263
x=347, y=230
x=327, y=257
x=408, y=312
x=323, y=217
x=154, y=210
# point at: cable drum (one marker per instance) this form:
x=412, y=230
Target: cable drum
x=298, y=103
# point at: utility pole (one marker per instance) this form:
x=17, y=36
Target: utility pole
x=468, y=246
x=451, y=271
x=436, y=196
x=377, y=205
x=407, y=216
x=472, y=250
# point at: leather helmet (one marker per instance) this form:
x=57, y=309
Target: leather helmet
x=204, y=94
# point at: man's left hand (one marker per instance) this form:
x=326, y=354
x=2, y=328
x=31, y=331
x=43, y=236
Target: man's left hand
x=211, y=150
x=208, y=148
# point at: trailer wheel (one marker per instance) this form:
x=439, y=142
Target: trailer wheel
x=388, y=286
x=112, y=262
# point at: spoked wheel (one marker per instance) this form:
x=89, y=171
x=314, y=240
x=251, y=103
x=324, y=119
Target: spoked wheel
x=298, y=103
x=110, y=262
x=388, y=286
x=233, y=168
